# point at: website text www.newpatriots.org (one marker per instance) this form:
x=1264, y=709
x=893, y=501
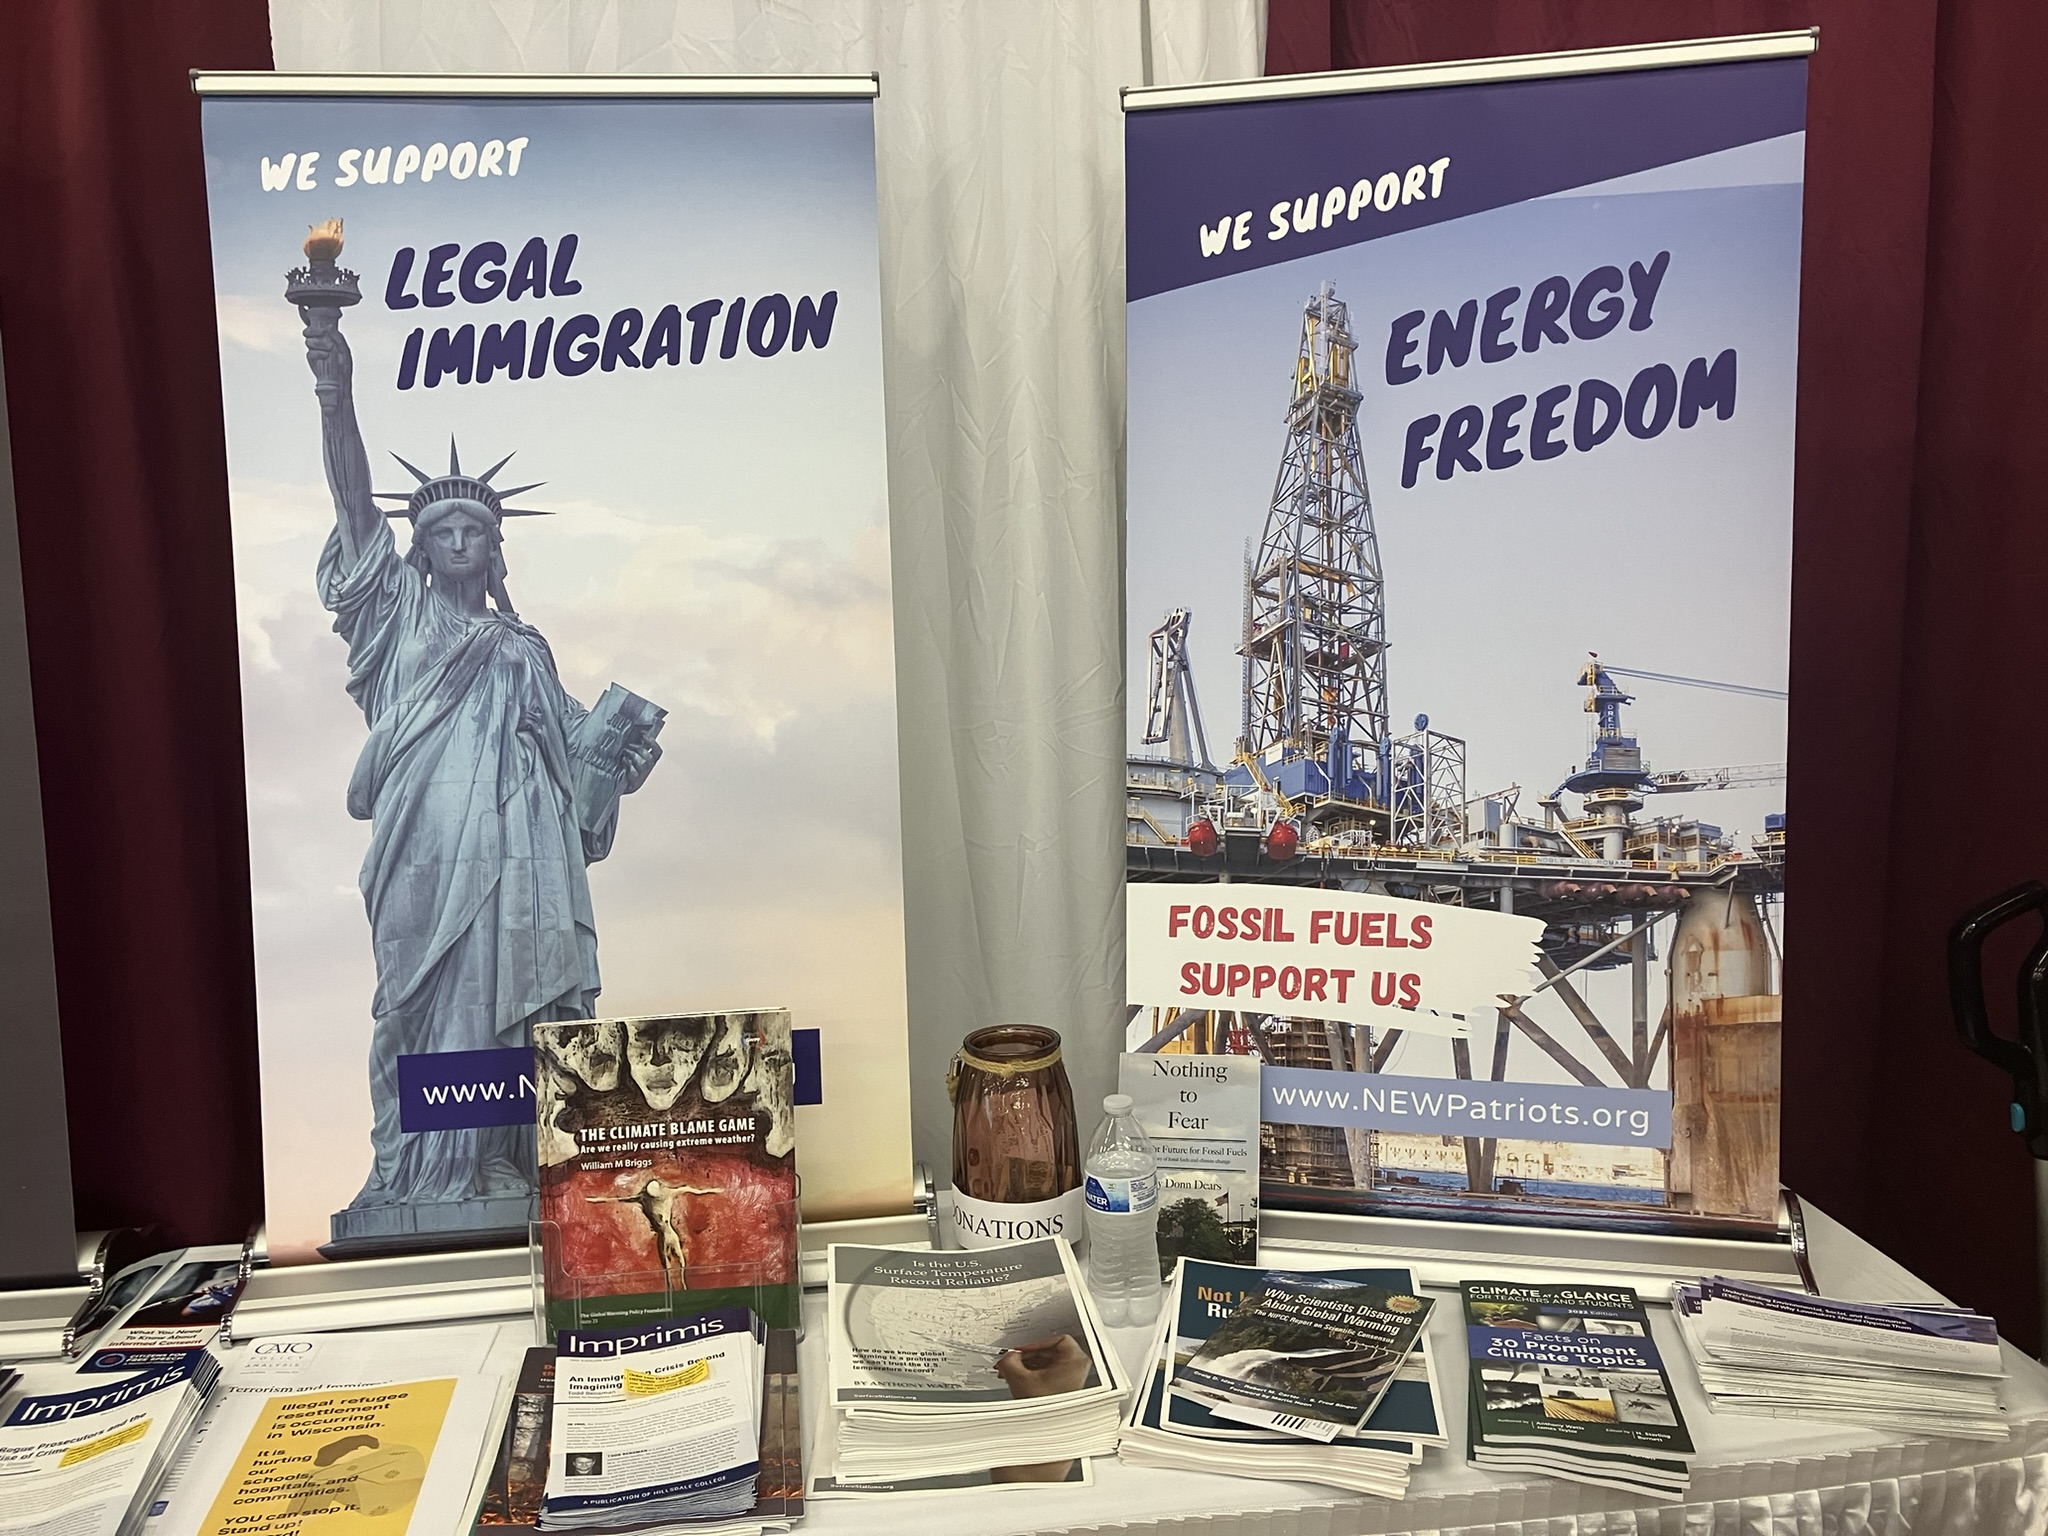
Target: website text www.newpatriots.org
x=1628, y=1117
x=462, y=1090
x=470, y=1093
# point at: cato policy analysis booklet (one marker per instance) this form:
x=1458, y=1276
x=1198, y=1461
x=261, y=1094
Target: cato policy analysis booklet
x=357, y=1378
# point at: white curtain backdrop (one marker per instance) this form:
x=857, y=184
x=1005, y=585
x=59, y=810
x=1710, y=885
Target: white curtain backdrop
x=1001, y=182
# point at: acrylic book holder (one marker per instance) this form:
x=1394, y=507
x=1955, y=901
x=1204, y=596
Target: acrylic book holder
x=770, y=1284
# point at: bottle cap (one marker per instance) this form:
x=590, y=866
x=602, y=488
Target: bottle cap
x=1117, y=1104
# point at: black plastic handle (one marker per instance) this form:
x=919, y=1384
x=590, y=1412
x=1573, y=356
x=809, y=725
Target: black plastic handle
x=1966, y=981
x=2030, y=1095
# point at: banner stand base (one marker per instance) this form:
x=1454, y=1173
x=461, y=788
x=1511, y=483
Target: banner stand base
x=497, y=1282
x=1444, y=1252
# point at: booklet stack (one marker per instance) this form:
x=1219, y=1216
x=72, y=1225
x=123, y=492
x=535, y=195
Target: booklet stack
x=1782, y=1354
x=518, y=1483
x=1566, y=1381
x=83, y=1449
x=1312, y=1376
x=304, y=1424
x=984, y=1362
x=657, y=1424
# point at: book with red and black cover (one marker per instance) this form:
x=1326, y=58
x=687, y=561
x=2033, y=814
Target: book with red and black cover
x=667, y=1167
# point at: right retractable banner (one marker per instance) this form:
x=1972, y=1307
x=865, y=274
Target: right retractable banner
x=1460, y=529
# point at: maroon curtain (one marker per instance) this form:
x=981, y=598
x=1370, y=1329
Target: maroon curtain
x=1920, y=559
x=113, y=394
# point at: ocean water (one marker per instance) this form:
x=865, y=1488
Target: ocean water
x=1549, y=1189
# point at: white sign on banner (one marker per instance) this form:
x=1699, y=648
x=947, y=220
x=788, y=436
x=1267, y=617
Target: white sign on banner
x=1324, y=955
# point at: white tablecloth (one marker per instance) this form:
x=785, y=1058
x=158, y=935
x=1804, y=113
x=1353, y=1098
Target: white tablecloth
x=1753, y=1476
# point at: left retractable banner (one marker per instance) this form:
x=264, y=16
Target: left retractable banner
x=561, y=532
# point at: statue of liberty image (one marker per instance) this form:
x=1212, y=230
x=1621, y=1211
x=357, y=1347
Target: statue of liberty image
x=488, y=789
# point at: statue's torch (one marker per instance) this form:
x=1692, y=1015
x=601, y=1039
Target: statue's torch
x=320, y=284
x=322, y=290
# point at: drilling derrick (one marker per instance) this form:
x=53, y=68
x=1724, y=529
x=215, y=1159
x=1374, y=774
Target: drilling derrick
x=1315, y=624
x=1172, y=717
x=1613, y=780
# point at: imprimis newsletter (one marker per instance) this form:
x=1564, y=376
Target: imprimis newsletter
x=660, y=1421
x=82, y=1446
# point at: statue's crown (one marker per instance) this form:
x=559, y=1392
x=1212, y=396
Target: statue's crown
x=456, y=486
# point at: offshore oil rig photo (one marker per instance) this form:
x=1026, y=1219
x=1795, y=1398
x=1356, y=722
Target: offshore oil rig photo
x=1319, y=790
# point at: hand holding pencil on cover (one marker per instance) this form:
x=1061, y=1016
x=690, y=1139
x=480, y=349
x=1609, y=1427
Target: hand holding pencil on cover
x=1044, y=1367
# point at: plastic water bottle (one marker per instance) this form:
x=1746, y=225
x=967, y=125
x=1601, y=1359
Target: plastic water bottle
x=1121, y=1187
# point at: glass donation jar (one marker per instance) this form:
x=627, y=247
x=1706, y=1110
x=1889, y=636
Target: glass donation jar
x=1016, y=1151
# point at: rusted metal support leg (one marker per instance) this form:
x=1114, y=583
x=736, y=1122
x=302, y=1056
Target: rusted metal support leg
x=1477, y=1173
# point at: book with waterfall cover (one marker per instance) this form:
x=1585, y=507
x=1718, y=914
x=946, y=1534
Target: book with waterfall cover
x=1203, y=1295
x=1566, y=1379
x=519, y=1476
x=1307, y=1354
x=1175, y=1434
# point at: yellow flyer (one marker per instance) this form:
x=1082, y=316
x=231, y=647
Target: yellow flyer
x=347, y=1463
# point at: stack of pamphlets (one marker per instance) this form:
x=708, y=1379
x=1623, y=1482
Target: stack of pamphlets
x=1200, y=1365
x=659, y=1423
x=984, y=1361
x=330, y=1420
x=1305, y=1354
x=1565, y=1380
x=83, y=1447
x=1781, y=1354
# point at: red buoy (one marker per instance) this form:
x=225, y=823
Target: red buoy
x=1282, y=841
x=1201, y=837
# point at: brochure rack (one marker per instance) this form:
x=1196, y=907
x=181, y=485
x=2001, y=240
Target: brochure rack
x=382, y=1293
x=565, y=1300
